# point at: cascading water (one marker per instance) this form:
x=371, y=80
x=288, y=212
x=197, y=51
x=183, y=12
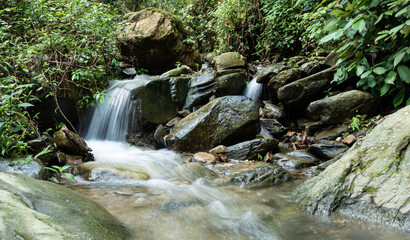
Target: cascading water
x=254, y=89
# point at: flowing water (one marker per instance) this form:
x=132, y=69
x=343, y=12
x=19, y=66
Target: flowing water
x=253, y=90
x=173, y=206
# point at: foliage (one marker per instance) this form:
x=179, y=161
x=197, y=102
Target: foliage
x=45, y=48
x=375, y=34
x=59, y=173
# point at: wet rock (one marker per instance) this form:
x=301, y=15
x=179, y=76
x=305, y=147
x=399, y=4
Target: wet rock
x=331, y=133
x=263, y=176
x=179, y=87
x=295, y=160
x=336, y=109
x=300, y=93
x=272, y=111
x=229, y=60
x=200, y=89
x=370, y=181
x=109, y=171
x=327, y=149
x=281, y=79
x=311, y=68
x=204, y=157
x=66, y=145
x=155, y=40
x=173, y=122
x=159, y=135
x=270, y=71
x=273, y=126
x=33, y=209
x=231, y=82
x=194, y=171
x=309, y=126
x=129, y=72
x=218, y=149
x=39, y=144
x=182, y=70
x=332, y=58
x=227, y=120
x=31, y=167
x=183, y=113
x=252, y=150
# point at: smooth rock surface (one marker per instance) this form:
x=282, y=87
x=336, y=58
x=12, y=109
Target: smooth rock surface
x=229, y=60
x=327, y=149
x=295, y=160
x=251, y=150
x=193, y=171
x=263, y=176
x=34, y=168
x=270, y=71
x=109, y=171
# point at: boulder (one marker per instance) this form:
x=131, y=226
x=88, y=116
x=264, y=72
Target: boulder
x=272, y=126
x=182, y=70
x=179, y=87
x=230, y=82
x=194, y=171
x=204, y=157
x=272, y=111
x=327, y=149
x=370, y=181
x=156, y=40
x=281, y=79
x=200, y=90
x=300, y=93
x=226, y=120
x=40, y=144
x=331, y=133
x=269, y=72
x=31, y=167
x=263, y=176
x=109, y=171
x=34, y=209
x=252, y=149
x=229, y=60
x=221, y=149
x=295, y=160
x=66, y=145
x=336, y=109
x=311, y=68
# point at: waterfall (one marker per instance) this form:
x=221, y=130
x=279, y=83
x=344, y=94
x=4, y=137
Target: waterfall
x=254, y=89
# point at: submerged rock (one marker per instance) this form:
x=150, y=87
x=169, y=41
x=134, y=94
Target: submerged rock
x=226, y=120
x=194, y=171
x=336, y=109
x=109, y=171
x=155, y=40
x=263, y=176
x=253, y=149
x=33, y=209
x=371, y=180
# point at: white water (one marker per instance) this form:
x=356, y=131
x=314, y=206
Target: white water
x=253, y=90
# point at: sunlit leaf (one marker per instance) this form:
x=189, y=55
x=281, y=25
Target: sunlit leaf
x=404, y=73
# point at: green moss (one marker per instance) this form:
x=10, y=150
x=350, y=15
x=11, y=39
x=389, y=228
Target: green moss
x=370, y=189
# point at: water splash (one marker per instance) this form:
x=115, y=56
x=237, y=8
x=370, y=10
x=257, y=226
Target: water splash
x=254, y=89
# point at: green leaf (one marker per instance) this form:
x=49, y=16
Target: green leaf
x=384, y=89
x=379, y=18
x=381, y=37
x=339, y=13
x=404, y=73
x=332, y=36
x=26, y=105
x=379, y=70
x=398, y=99
x=396, y=29
x=401, y=12
x=398, y=58
x=359, y=70
x=51, y=169
x=371, y=81
x=391, y=77
x=366, y=74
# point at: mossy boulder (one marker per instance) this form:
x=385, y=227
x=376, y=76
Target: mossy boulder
x=371, y=180
x=156, y=40
x=66, y=145
x=229, y=60
x=226, y=120
x=34, y=209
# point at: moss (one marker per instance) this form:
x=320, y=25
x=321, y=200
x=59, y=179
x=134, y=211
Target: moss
x=370, y=189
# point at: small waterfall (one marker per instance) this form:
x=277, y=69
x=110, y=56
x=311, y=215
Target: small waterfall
x=253, y=90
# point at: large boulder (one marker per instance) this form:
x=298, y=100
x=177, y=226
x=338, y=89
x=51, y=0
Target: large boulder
x=269, y=72
x=28, y=166
x=371, y=180
x=252, y=149
x=229, y=60
x=201, y=88
x=231, y=82
x=281, y=79
x=226, y=120
x=336, y=109
x=156, y=40
x=263, y=176
x=34, y=209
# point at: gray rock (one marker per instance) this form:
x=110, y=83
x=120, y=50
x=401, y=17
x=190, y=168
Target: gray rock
x=370, y=181
x=109, y=171
x=184, y=69
x=227, y=120
x=263, y=176
x=39, y=144
x=272, y=126
x=33, y=168
x=281, y=79
x=327, y=149
x=200, y=89
x=194, y=171
x=295, y=160
x=231, y=82
x=251, y=149
x=300, y=93
x=336, y=109
x=331, y=133
x=311, y=68
x=34, y=209
x=179, y=87
x=159, y=134
x=272, y=111
x=129, y=72
x=269, y=72
x=229, y=60
x=66, y=145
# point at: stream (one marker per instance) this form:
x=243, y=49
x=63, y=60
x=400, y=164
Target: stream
x=171, y=206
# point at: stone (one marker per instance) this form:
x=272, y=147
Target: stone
x=331, y=133
x=66, y=145
x=263, y=176
x=179, y=87
x=173, y=122
x=231, y=83
x=311, y=68
x=252, y=150
x=281, y=79
x=204, y=157
x=129, y=72
x=273, y=126
x=370, y=181
x=42, y=143
x=295, y=160
x=34, y=209
x=226, y=120
x=335, y=109
x=327, y=149
x=271, y=110
x=200, y=90
x=176, y=72
x=298, y=94
x=229, y=60
x=159, y=134
x=218, y=149
x=155, y=40
x=269, y=72
x=31, y=167
x=109, y=171
x=193, y=171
